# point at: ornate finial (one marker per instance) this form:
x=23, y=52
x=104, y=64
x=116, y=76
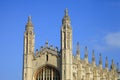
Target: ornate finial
x=86, y=52
x=100, y=62
x=78, y=48
x=29, y=18
x=93, y=56
x=112, y=66
x=29, y=25
x=112, y=62
x=66, y=18
x=66, y=12
x=106, y=63
x=78, y=51
x=46, y=43
x=36, y=51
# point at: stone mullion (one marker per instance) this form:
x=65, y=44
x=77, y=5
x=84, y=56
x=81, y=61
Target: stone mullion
x=49, y=74
x=38, y=77
x=52, y=74
x=43, y=74
x=46, y=73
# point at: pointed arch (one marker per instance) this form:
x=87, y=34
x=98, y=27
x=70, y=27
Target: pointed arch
x=47, y=72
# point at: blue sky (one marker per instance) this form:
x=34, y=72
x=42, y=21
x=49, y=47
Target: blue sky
x=95, y=23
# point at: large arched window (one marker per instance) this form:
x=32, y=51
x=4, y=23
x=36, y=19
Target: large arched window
x=48, y=73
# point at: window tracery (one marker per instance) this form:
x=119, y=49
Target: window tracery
x=48, y=73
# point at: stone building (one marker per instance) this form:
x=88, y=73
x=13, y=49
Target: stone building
x=49, y=63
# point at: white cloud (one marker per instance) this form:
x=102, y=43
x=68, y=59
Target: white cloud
x=109, y=42
x=113, y=39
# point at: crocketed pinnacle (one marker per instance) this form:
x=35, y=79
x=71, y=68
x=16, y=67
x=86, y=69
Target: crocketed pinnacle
x=100, y=61
x=112, y=66
x=106, y=63
x=93, y=56
x=29, y=18
x=66, y=12
x=66, y=18
x=86, y=52
x=78, y=49
x=29, y=23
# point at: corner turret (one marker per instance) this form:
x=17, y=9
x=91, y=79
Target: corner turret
x=66, y=47
x=28, y=50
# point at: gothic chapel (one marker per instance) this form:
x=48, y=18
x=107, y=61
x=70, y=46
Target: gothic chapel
x=49, y=63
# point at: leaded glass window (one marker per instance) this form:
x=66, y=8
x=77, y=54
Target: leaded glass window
x=48, y=73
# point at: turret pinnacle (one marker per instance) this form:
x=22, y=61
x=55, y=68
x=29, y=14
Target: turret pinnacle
x=29, y=25
x=86, y=52
x=112, y=62
x=29, y=18
x=106, y=63
x=78, y=49
x=112, y=66
x=93, y=56
x=100, y=61
x=66, y=18
x=86, y=55
x=66, y=12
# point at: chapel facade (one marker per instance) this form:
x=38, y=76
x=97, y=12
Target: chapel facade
x=49, y=63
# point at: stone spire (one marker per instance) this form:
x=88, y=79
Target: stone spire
x=29, y=18
x=112, y=66
x=100, y=61
x=29, y=37
x=29, y=21
x=78, y=51
x=66, y=18
x=46, y=44
x=78, y=48
x=66, y=12
x=29, y=25
x=86, y=54
x=93, y=58
x=106, y=63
